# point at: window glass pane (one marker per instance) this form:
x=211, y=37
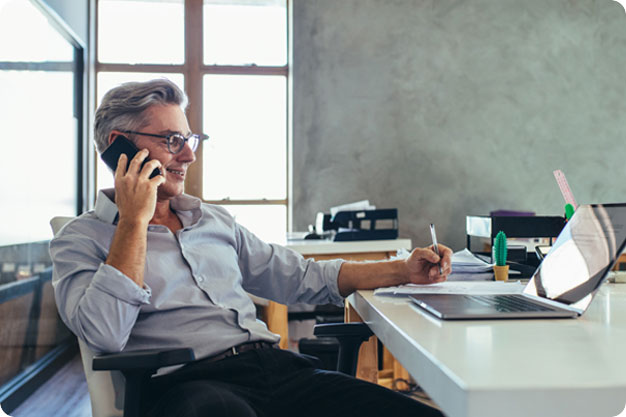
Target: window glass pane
x=245, y=32
x=29, y=201
x=108, y=80
x=141, y=31
x=268, y=222
x=38, y=41
x=245, y=157
x=39, y=172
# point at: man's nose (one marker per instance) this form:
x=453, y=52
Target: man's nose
x=186, y=154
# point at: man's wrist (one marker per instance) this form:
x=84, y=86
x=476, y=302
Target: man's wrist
x=401, y=272
x=132, y=223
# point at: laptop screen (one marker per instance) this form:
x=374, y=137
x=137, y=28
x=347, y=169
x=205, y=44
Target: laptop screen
x=580, y=258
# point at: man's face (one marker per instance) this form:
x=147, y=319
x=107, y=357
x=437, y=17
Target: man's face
x=164, y=120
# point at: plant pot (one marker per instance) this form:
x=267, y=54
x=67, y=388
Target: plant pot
x=501, y=272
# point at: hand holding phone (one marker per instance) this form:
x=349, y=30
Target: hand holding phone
x=122, y=145
x=135, y=196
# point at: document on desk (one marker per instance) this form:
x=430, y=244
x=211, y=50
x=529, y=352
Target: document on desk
x=468, y=267
x=455, y=287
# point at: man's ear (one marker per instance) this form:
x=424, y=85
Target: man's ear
x=112, y=136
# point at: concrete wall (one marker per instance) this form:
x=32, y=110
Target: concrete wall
x=445, y=108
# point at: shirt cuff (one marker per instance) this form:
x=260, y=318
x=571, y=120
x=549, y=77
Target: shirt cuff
x=111, y=281
x=331, y=275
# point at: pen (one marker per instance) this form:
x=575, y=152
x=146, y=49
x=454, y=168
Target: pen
x=435, y=246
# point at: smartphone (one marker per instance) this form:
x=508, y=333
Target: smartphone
x=121, y=145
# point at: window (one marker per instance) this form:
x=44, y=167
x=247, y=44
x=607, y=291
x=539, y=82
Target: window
x=231, y=58
x=141, y=32
x=247, y=119
x=38, y=60
x=41, y=80
x=245, y=33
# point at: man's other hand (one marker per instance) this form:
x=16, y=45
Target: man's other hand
x=423, y=265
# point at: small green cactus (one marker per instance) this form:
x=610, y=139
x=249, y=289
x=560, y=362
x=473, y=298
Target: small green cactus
x=499, y=249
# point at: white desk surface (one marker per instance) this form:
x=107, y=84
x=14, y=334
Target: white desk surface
x=551, y=368
x=327, y=247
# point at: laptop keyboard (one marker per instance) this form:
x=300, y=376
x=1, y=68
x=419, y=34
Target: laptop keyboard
x=507, y=303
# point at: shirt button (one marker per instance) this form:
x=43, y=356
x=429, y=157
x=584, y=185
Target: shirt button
x=200, y=279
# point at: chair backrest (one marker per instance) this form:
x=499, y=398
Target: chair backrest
x=56, y=223
x=106, y=389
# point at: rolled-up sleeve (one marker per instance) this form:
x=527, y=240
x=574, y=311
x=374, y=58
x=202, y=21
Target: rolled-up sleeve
x=277, y=273
x=96, y=301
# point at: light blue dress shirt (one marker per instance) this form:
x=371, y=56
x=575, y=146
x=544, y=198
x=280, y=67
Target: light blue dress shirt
x=195, y=282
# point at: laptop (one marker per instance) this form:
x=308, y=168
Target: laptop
x=565, y=282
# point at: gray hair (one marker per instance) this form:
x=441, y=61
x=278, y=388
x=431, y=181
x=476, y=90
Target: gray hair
x=123, y=107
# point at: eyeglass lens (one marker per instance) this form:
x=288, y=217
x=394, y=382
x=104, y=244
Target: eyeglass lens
x=177, y=142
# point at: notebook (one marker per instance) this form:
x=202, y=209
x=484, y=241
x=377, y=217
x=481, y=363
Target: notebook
x=565, y=282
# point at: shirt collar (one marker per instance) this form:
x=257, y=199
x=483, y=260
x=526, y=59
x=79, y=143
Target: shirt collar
x=106, y=209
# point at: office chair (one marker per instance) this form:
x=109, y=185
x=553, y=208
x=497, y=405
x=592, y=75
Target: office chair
x=117, y=381
x=117, y=392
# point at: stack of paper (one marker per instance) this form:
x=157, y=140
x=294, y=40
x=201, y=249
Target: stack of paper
x=493, y=287
x=468, y=267
x=356, y=206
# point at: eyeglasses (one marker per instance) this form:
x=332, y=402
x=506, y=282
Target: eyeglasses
x=175, y=141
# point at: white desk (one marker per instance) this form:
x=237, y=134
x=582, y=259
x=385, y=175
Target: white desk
x=551, y=368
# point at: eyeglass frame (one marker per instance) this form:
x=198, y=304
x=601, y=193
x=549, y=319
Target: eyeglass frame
x=200, y=137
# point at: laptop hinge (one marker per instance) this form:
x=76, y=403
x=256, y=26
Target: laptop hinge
x=555, y=303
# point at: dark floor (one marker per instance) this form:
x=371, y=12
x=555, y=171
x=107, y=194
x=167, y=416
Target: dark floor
x=65, y=394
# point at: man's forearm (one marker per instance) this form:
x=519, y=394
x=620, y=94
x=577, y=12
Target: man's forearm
x=370, y=275
x=128, y=249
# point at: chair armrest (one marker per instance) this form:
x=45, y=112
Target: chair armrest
x=350, y=337
x=340, y=330
x=137, y=367
x=142, y=359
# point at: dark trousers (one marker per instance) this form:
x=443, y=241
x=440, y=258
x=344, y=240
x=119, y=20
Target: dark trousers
x=273, y=383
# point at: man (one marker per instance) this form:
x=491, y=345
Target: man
x=151, y=267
